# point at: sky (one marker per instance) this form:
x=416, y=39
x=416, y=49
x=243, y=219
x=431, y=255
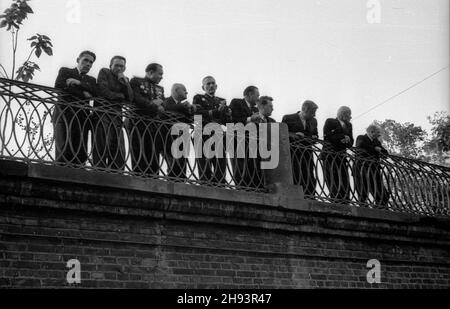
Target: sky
x=357, y=53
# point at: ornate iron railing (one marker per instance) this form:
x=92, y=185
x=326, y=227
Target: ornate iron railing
x=44, y=125
x=391, y=183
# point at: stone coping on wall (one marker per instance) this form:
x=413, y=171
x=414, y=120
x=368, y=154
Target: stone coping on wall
x=284, y=196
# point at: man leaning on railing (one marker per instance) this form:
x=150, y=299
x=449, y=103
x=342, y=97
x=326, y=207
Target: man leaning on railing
x=244, y=111
x=71, y=114
x=338, y=133
x=302, y=127
x=213, y=109
x=367, y=168
x=180, y=111
x=146, y=141
x=108, y=149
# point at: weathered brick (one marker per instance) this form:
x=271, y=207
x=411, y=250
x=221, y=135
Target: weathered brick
x=149, y=241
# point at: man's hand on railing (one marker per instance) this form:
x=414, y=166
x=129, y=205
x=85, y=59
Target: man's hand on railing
x=72, y=81
x=254, y=118
x=346, y=140
x=158, y=102
x=161, y=109
x=300, y=134
x=87, y=95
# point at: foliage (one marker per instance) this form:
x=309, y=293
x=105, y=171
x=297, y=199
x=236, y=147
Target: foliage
x=411, y=141
x=12, y=19
x=438, y=146
x=403, y=139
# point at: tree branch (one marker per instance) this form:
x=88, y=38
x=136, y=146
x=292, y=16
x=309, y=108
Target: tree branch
x=3, y=68
x=29, y=56
x=14, y=41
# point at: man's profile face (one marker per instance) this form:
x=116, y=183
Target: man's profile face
x=118, y=66
x=309, y=113
x=253, y=97
x=85, y=63
x=210, y=86
x=267, y=109
x=374, y=133
x=157, y=75
x=346, y=116
x=181, y=93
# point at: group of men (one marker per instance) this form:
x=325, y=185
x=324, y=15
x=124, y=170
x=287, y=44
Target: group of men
x=149, y=133
x=338, y=136
x=151, y=139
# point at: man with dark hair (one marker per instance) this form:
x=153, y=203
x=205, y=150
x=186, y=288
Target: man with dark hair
x=71, y=113
x=302, y=127
x=180, y=111
x=265, y=110
x=245, y=111
x=108, y=147
x=146, y=132
x=367, y=170
x=212, y=109
x=338, y=135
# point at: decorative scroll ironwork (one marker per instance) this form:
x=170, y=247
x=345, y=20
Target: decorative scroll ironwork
x=44, y=125
x=390, y=183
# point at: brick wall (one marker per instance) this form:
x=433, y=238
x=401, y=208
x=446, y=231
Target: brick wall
x=125, y=238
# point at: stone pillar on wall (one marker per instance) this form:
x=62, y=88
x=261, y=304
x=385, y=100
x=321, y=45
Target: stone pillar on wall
x=280, y=180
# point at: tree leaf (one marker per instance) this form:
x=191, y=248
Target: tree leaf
x=38, y=52
x=48, y=50
x=32, y=38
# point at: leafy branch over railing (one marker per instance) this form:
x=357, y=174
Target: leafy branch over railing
x=12, y=19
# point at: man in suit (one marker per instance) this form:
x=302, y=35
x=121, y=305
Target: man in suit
x=213, y=109
x=338, y=136
x=108, y=147
x=183, y=112
x=71, y=113
x=244, y=111
x=147, y=132
x=265, y=110
x=367, y=170
x=302, y=127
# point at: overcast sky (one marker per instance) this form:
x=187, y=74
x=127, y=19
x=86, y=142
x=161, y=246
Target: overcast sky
x=346, y=52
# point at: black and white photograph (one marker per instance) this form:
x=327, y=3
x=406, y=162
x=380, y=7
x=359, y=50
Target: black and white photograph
x=224, y=151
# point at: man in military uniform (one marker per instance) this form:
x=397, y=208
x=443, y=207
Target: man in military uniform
x=212, y=109
x=146, y=132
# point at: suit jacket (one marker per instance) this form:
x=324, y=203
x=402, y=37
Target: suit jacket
x=367, y=147
x=240, y=111
x=144, y=92
x=113, y=89
x=181, y=111
x=88, y=83
x=333, y=133
x=206, y=103
x=295, y=125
